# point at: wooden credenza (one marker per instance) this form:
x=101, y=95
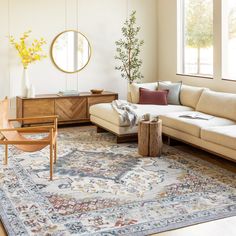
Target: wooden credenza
x=70, y=109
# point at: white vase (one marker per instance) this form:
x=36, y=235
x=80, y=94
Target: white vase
x=24, y=83
x=31, y=92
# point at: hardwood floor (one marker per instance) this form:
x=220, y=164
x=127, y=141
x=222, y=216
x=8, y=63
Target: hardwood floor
x=223, y=227
x=2, y=230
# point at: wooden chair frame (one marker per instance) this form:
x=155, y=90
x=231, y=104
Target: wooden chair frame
x=51, y=141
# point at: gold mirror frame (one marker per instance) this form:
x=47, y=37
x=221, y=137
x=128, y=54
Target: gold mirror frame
x=51, y=52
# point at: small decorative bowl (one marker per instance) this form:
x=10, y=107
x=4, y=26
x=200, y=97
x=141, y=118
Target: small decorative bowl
x=96, y=91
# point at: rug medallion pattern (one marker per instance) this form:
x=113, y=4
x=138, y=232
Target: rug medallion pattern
x=102, y=188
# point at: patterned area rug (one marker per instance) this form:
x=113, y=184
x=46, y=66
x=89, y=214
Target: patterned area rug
x=102, y=188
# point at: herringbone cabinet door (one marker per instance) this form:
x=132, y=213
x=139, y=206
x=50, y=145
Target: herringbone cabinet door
x=71, y=108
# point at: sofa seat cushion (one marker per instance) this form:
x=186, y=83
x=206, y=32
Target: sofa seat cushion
x=106, y=112
x=192, y=126
x=222, y=135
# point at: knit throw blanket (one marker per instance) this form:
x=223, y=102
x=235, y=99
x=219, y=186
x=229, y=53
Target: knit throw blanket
x=126, y=112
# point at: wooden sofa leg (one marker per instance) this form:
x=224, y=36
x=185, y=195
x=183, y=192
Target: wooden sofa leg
x=119, y=139
x=172, y=142
x=126, y=139
x=168, y=140
x=101, y=130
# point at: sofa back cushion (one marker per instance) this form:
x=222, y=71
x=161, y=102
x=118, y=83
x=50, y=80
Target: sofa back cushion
x=134, y=90
x=158, y=97
x=189, y=95
x=218, y=104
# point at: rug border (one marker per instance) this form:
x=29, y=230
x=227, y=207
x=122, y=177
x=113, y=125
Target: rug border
x=9, y=232
x=170, y=228
x=6, y=225
x=183, y=225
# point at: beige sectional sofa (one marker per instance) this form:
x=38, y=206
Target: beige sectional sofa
x=217, y=134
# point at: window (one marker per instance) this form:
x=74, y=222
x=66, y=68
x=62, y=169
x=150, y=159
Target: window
x=195, y=49
x=229, y=39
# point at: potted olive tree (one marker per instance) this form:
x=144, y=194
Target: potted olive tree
x=128, y=50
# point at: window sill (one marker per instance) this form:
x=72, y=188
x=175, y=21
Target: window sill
x=197, y=76
x=230, y=80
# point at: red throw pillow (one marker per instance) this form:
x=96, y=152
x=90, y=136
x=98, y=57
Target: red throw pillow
x=156, y=97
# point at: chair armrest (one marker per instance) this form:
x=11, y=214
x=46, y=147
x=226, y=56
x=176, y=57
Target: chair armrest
x=25, y=142
x=29, y=129
x=35, y=118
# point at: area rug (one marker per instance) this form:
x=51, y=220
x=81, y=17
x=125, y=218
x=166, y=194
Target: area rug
x=102, y=188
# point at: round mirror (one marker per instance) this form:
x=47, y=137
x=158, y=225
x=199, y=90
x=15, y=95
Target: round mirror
x=70, y=51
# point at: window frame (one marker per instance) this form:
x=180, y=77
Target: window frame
x=181, y=43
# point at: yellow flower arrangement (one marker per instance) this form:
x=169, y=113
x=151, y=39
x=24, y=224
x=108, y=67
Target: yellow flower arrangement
x=27, y=54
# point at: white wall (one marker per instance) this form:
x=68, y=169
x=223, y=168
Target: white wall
x=167, y=49
x=99, y=20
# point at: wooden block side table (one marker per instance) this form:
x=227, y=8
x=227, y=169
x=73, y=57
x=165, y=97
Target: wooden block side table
x=150, y=138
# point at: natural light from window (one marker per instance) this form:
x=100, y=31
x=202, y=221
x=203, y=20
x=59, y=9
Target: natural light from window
x=196, y=38
x=229, y=39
